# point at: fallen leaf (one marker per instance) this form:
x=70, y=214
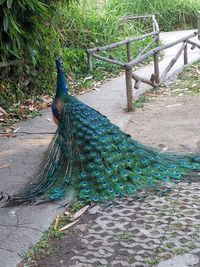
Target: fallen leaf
x=9, y=129
x=5, y=165
x=82, y=92
x=194, y=84
x=16, y=129
x=68, y=226
x=67, y=213
x=87, y=78
x=47, y=99
x=3, y=114
x=8, y=135
x=32, y=108
x=198, y=71
x=173, y=106
x=56, y=222
x=80, y=212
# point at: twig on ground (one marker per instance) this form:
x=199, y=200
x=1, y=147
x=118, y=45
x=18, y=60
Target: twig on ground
x=7, y=135
x=68, y=226
x=57, y=222
x=5, y=165
x=80, y=212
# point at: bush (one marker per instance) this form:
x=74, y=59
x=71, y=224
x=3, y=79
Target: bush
x=38, y=31
x=171, y=15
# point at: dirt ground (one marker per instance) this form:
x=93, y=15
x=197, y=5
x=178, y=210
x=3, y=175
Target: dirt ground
x=169, y=121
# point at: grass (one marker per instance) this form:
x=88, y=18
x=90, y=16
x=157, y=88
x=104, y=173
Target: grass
x=76, y=206
x=89, y=30
x=187, y=82
x=43, y=247
x=153, y=261
x=178, y=251
x=74, y=28
x=173, y=251
x=140, y=102
x=171, y=15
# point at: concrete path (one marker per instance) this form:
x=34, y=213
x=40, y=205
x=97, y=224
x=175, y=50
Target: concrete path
x=21, y=227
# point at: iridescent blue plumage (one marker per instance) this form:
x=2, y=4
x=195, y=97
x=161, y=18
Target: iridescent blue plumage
x=97, y=159
x=61, y=90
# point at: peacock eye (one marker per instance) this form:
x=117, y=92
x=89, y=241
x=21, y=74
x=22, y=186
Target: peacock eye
x=83, y=175
x=95, y=199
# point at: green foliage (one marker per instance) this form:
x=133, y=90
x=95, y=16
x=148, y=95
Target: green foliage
x=86, y=27
x=43, y=245
x=18, y=23
x=38, y=31
x=153, y=261
x=70, y=31
x=171, y=15
x=26, y=34
x=139, y=103
x=76, y=206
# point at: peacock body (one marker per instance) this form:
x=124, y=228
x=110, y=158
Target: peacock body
x=95, y=158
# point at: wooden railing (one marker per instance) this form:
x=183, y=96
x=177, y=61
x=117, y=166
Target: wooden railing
x=199, y=25
x=155, y=79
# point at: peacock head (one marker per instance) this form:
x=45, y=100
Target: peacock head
x=61, y=88
x=58, y=63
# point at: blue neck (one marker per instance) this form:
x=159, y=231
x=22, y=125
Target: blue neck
x=61, y=88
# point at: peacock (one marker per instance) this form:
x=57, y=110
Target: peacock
x=96, y=159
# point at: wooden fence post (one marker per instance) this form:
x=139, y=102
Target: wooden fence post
x=89, y=57
x=156, y=62
x=173, y=61
x=199, y=25
x=128, y=46
x=186, y=54
x=129, y=88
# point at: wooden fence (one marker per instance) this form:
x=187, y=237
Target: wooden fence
x=199, y=25
x=155, y=79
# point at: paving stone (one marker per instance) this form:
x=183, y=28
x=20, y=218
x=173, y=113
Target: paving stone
x=184, y=260
x=130, y=243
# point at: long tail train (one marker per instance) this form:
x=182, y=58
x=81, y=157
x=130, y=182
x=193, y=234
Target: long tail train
x=95, y=158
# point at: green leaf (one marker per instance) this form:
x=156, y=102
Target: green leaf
x=5, y=23
x=9, y=3
x=2, y=1
x=14, y=50
x=14, y=23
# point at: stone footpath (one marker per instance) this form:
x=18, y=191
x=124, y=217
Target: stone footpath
x=21, y=227
x=137, y=232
